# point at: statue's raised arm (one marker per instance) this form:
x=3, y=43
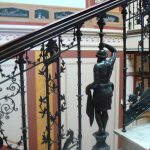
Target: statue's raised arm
x=113, y=52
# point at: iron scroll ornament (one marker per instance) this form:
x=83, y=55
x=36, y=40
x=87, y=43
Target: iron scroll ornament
x=7, y=103
x=8, y=106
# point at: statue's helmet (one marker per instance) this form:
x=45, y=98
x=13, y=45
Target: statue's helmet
x=102, y=54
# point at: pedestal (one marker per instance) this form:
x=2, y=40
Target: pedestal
x=100, y=144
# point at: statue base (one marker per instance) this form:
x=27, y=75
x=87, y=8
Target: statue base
x=101, y=144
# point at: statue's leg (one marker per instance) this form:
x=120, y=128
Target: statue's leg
x=98, y=117
x=104, y=118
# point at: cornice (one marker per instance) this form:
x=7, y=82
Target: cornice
x=90, y=38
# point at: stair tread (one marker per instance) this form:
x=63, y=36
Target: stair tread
x=137, y=135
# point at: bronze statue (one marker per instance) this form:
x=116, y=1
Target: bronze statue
x=102, y=88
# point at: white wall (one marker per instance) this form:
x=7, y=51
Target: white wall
x=70, y=116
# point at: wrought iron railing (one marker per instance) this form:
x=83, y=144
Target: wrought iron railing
x=136, y=16
x=50, y=41
x=135, y=9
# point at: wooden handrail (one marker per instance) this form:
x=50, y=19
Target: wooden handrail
x=33, y=39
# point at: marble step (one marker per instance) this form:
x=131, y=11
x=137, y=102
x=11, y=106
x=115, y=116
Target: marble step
x=136, y=137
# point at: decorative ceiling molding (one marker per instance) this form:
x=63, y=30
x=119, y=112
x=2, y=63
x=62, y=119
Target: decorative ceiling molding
x=90, y=38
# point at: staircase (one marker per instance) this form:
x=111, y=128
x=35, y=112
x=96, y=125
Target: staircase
x=137, y=109
x=137, y=101
x=51, y=46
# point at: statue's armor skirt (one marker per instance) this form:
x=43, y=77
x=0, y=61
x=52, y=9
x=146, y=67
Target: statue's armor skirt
x=102, y=96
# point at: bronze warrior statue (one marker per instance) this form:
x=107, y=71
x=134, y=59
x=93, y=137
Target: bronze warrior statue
x=102, y=88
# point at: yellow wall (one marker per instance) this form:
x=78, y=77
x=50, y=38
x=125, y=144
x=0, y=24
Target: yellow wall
x=40, y=91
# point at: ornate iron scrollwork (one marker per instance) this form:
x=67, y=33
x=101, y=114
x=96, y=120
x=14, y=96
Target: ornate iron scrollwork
x=48, y=52
x=138, y=107
x=146, y=6
x=7, y=103
x=71, y=141
x=138, y=101
x=8, y=106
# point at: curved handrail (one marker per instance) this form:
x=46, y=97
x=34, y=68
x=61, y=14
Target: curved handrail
x=31, y=40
